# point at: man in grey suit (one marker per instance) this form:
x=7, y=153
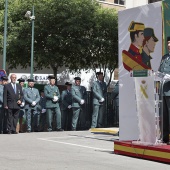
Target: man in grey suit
x=32, y=108
x=4, y=80
x=99, y=90
x=66, y=99
x=79, y=96
x=165, y=68
x=52, y=95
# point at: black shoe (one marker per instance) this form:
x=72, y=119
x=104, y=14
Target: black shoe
x=14, y=132
x=59, y=130
x=9, y=133
x=28, y=131
x=73, y=130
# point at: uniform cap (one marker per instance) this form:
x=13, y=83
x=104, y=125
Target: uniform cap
x=42, y=90
x=21, y=80
x=99, y=73
x=77, y=78
x=149, y=32
x=168, y=38
x=136, y=26
x=51, y=77
x=4, y=78
x=68, y=84
x=30, y=80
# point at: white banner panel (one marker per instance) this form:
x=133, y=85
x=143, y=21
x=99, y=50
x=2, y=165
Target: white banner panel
x=144, y=88
x=131, y=57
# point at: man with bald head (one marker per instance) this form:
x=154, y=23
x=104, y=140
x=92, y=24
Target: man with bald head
x=13, y=97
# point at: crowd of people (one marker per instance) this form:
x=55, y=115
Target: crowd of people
x=40, y=108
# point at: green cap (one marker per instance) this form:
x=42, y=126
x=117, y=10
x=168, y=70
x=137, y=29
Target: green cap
x=149, y=32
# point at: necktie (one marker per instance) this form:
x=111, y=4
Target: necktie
x=14, y=88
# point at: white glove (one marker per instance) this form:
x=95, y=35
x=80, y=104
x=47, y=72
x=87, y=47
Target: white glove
x=22, y=104
x=33, y=103
x=55, y=98
x=43, y=111
x=102, y=100
x=167, y=77
x=82, y=101
x=69, y=107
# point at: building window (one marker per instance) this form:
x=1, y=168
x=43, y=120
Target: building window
x=152, y=1
x=120, y=2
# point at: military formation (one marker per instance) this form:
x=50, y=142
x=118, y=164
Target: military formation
x=47, y=110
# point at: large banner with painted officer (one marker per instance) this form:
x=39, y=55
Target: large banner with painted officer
x=140, y=48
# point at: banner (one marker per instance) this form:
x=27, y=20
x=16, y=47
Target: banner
x=166, y=23
x=140, y=47
x=144, y=88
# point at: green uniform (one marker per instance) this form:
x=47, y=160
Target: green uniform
x=99, y=91
x=165, y=68
x=78, y=93
x=52, y=106
x=115, y=98
x=30, y=95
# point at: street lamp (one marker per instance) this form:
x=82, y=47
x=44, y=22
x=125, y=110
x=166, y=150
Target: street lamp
x=5, y=33
x=32, y=18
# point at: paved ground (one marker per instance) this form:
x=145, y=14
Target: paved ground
x=79, y=150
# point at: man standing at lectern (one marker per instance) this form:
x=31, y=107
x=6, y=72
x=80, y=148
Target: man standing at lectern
x=165, y=68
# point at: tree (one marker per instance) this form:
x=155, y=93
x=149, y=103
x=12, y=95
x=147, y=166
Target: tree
x=77, y=34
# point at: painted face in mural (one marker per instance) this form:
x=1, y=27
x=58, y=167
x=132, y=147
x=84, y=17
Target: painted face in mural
x=150, y=44
x=139, y=39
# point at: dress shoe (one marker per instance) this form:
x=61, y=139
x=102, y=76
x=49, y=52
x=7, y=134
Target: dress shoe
x=14, y=132
x=59, y=130
x=9, y=133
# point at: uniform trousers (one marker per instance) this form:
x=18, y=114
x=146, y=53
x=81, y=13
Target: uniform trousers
x=67, y=119
x=78, y=113
x=50, y=113
x=32, y=119
x=97, y=116
x=166, y=117
x=1, y=119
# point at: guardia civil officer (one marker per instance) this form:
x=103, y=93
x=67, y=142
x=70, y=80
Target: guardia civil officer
x=52, y=95
x=22, y=109
x=99, y=90
x=66, y=99
x=79, y=96
x=4, y=80
x=32, y=108
x=165, y=68
x=42, y=110
x=115, y=98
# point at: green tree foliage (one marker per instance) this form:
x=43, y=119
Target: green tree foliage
x=78, y=34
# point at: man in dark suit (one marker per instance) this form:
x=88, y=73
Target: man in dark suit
x=22, y=109
x=66, y=99
x=79, y=96
x=42, y=110
x=13, y=97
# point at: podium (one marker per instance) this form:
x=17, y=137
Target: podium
x=148, y=91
